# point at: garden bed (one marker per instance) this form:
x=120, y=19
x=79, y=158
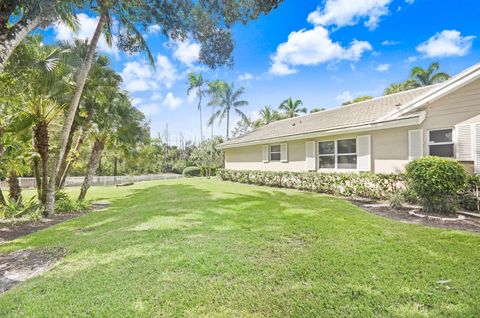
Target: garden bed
x=468, y=223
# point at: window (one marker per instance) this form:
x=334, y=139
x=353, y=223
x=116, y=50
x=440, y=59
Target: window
x=275, y=153
x=326, y=150
x=347, y=154
x=440, y=143
x=340, y=154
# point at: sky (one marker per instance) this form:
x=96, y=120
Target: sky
x=323, y=52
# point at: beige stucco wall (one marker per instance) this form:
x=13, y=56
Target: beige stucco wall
x=389, y=146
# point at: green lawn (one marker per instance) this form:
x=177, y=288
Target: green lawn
x=204, y=248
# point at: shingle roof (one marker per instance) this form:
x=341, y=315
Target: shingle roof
x=350, y=115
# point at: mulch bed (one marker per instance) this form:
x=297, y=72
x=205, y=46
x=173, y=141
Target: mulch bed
x=9, y=231
x=470, y=223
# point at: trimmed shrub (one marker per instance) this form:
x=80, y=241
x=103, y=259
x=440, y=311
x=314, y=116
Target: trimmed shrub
x=191, y=172
x=397, y=199
x=366, y=185
x=437, y=182
x=468, y=198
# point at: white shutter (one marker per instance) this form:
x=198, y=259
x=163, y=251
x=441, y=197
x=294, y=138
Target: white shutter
x=415, y=144
x=364, y=153
x=310, y=155
x=464, y=142
x=265, y=153
x=284, y=152
x=476, y=139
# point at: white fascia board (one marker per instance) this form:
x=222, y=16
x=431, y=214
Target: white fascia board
x=413, y=120
x=451, y=85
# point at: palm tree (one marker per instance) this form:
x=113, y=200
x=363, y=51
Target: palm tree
x=316, y=110
x=429, y=76
x=400, y=87
x=292, y=108
x=229, y=99
x=197, y=83
x=268, y=115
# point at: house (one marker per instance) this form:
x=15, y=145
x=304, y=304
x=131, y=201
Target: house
x=380, y=135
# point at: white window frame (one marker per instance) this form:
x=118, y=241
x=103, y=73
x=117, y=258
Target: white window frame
x=430, y=143
x=279, y=152
x=336, y=154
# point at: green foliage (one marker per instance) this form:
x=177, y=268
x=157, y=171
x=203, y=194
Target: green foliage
x=191, y=172
x=20, y=208
x=367, y=185
x=357, y=100
x=397, y=199
x=68, y=205
x=468, y=197
x=436, y=181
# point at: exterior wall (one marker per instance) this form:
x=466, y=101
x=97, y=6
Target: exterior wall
x=389, y=147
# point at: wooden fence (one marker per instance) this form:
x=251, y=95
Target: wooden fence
x=29, y=183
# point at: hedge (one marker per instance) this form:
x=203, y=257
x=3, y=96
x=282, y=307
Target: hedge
x=375, y=186
x=366, y=185
x=191, y=172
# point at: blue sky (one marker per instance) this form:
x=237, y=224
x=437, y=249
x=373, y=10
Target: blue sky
x=322, y=52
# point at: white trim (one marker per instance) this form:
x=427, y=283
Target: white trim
x=284, y=152
x=311, y=143
x=410, y=143
x=429, y=143
x=464, y=78
x=414, y=120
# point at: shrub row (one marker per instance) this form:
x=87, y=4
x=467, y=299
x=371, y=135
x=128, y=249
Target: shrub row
x=366, y=185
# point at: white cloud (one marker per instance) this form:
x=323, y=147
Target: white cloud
x=149, y=109
x=411, y=59
x=390, y=43
x=446, y=43
x=153, y=29
x=344, y=96
x=156, y=96
x=245, y=77
x=348, y=12
x=87, y=26
x=171, y=101
x=140, y=76
x=187, y=52
x=382, y=67
x=312, y=47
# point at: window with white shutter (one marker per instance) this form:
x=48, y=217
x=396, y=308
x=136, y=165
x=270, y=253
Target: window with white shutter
x=310, y=155
x=415, y=144
x=284, y=152
x=364, y=160
x=464, y=142
x=265, y=153
x=477, y=147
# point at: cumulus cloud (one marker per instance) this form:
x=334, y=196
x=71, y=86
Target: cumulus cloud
x=187, y=52
x=140, y=76
x=446, y=43
x=149, y=109
x=86, y=29
x=245, y=77
x=171, y=101
x=312, y=47
x=349, y=12
x=344, y=96
x=382, y=67
x=390, y=43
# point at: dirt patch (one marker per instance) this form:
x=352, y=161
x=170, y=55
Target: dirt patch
x=469, y=223
x=21, y=265
x=9, y=231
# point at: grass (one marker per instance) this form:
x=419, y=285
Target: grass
x=205, y=248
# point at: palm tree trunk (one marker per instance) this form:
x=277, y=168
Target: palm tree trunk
x=38, y=178
x=72, y=109
x=64, y=163
x=14, y=186
x=41, y=139
x=10, y=38
x=93, y=162
x=2, y=198
x=228, y=122
x=200, y=109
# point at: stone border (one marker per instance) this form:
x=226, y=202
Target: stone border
x=437, y=218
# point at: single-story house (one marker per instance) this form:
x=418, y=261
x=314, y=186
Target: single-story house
x=380, y=135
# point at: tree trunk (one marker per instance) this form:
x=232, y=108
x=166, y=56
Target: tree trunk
x=2, y=198
x=75, y=154
x=228, y=122
x=64, y=163
x=115, y=166
x=14, y=186
x=72, y=110
x=200, y=109
x=38, y=178
x=40, y=15
x=95, y=155
x=41, y=139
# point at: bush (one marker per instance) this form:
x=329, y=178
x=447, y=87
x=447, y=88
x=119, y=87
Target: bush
x=367, y=185
x=397, y=199
x=468, y=196
x=437, y=182
x=67, y=205
x=191, y=172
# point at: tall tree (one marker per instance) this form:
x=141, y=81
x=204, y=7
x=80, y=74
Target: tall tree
x=196, y=83
x=429, y=76
x=206, y=21
x=292, y=108
x=228, y=100
x=268, y=115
